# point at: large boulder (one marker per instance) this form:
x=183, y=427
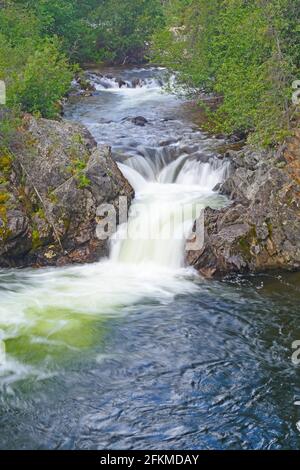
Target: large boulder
x=139, y=121
x=260, y=229
x=52, y=184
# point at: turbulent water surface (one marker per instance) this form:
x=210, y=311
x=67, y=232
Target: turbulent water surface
x=137, y=351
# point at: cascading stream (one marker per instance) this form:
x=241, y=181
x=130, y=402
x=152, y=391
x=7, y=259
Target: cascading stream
x=173, y=181
x=49, y=314
x=168, y=200
x=137, y=351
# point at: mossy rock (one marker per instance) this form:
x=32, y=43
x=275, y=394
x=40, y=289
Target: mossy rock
x=36, y=241
x=4, y=197
x=5, y=163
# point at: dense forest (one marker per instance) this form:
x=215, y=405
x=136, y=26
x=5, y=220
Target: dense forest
x=245, y=53
x=41, y=41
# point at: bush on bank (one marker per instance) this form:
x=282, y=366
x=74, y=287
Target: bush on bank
x=41, y=39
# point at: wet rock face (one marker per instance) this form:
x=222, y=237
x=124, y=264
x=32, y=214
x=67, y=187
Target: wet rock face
x=260, y=229
x=57, y=180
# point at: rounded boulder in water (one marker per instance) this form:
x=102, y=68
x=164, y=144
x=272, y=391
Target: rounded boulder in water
x=139, y=121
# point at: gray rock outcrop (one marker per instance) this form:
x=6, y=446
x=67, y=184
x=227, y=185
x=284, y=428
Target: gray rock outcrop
x=260, y=229
x=51, y=184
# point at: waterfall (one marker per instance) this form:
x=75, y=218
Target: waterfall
x=172, y=167
x=168, y=200
x=107, y=82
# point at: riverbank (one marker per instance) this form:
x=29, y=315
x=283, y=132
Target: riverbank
x=260, y=229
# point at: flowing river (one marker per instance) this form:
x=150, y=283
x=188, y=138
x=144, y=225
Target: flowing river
x=137, y=351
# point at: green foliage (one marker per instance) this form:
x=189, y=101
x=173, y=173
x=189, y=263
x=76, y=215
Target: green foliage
x=36, y=241
x=83, y=181
x=246, y=52
x=45, y=79
x=68, y=20
x=40, y=37
x=123, y=28
x=96, y=30
x=79, y=160
x=36, y=72
x=5, y=160
x=19, y=25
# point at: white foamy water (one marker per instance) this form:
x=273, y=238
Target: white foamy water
x=167, y=203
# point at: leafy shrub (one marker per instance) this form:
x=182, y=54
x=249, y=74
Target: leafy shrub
x=44, y=80
x=36, y=72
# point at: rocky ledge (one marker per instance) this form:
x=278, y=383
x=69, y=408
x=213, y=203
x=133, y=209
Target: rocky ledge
x=51, y=183
x=260, y=229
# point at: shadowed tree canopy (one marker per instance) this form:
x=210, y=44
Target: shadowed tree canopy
x=40, y=39
x=91, y=30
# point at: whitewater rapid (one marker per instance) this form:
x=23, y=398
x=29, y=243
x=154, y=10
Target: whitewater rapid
x=50, y=311
x=167, y=202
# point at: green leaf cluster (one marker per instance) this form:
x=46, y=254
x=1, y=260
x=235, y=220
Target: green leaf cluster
x=36, y=71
